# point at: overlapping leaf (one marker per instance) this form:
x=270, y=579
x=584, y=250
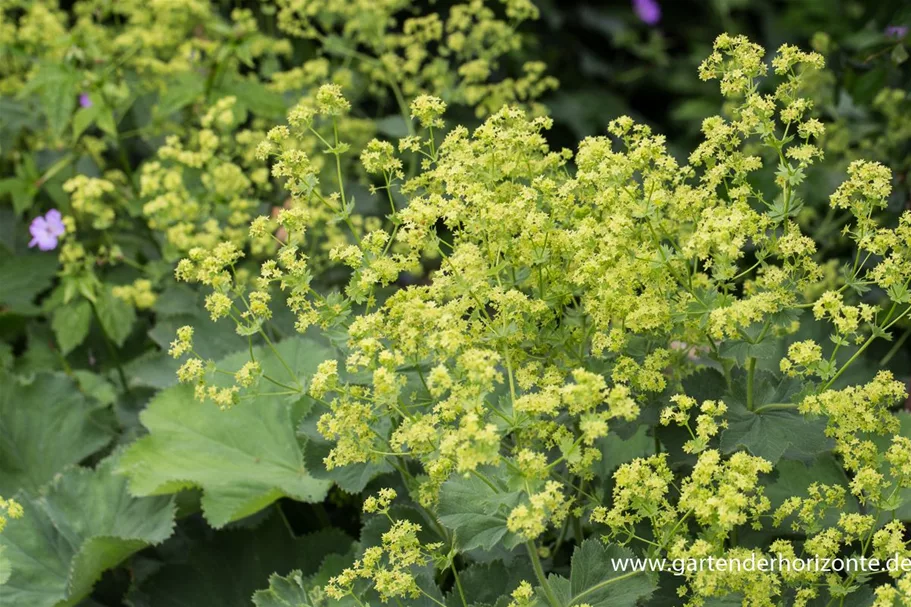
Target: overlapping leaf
x=84, y=524
x=595, y=579
x=46, y=424
x=477, y=513
x=773, y=427
x=244, y=458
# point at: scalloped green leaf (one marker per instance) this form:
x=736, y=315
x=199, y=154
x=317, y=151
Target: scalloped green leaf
x=774, y=427
x=284, y=591
x=5, y=567
x=794, y=477
x=476, y=513
x=596, y=580
x=23, y=277
x=244, y=458
x=297, y=585
x=46, y=424
x=84, y=524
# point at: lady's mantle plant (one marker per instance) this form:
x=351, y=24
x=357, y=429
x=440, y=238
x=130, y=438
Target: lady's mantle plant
x=579, y=302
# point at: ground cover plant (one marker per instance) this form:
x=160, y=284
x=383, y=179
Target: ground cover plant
x=319, y=302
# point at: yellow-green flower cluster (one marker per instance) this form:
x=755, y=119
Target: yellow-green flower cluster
x=569, y=293
x=707, y=424
x=401, y=55
x=91, y=198
x=9, y=509
x=390, y=567
x=232, y=185
x=139, y=294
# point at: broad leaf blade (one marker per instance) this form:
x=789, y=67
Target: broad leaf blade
x=596, y=578
x=116, y=316
x=287, y=591
x=243, y=459
x=71, y=324
x=476, y=513
x=85, y=524
x=45, y=425
x=774, y=426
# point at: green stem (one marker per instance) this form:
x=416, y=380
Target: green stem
x=865, y=345
x=894, y=349
x=578, y=598
x=338, y=167
x=281, y=385
x=775, y=407
x=458, y=582
x=751, y=372
x=539, y=573
x=280, y=359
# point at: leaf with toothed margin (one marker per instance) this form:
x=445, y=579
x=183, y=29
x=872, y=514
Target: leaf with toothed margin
x=477, y=513
x=284, y=591
x=773, y=428
x=596, y=580
x=244, y=458
x=46, y=424
x=84, y=524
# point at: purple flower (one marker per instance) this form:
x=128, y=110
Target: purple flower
x=649, y=11
x=45, y=230
x=896, y=31
x=85, y=100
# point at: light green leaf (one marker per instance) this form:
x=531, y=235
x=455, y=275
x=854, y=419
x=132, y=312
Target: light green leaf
x=183, y=90
x=83, y=119
x=95, y=386
x=476, y=513
x=596, y=580
x=741, y=351
x=116, y=316
x=85, y=524
x=771, y=433
x=485, y=583
x=283, y=591
x=21, y=191
x=71, y=324
x=244, y=458
x=616, y=451
x=392, y=126
x=292, y=587
x=46, y=424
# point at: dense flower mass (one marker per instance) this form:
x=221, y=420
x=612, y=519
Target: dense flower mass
x=572, y=291
x=340, y=268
